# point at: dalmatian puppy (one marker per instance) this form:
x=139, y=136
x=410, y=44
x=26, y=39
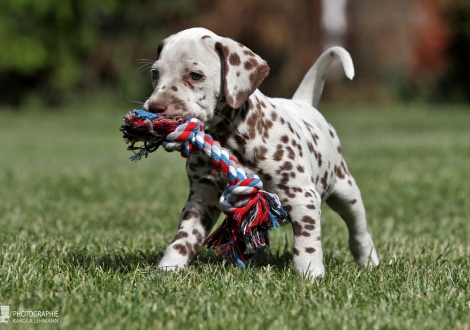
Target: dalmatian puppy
x=287, y=143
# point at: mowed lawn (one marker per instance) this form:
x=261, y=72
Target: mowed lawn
x=82, y=229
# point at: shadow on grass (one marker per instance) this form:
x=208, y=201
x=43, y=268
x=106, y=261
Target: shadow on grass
x=121, y=261
x=116, y=261
x=278, y=259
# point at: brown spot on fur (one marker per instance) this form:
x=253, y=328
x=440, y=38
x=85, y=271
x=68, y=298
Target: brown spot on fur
x=315, y=138
x=190, y=214
x=297, y=228
x=250, y=64
x=174, y=88
x=339, y=172
x=310, y=147
x=324, y=180
x=311, y=206
x=332, y=134
x=181, y=249
x=286, y=190
x=180, y=235
x=319, y=159
x=296, y=252
x=354, y=201
x=343, y=166
x=291, y=153
x=290, y=128
x=179, y=104
x=308, y=219
x=287, y=166
x=206, y=36
x=285, y=138
x=287, y=207
x=249, y=53
x=279, y=153
x=198, y=235
x=310, y=250
x=191, y=250
x=240, y=140
x=234, y=59
x=300, y=169
x=259, y=153
x=308, y=194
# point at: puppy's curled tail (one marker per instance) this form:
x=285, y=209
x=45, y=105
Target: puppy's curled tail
x=311, y=87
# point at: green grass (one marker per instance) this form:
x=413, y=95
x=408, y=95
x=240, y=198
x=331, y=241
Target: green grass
x=82, y=228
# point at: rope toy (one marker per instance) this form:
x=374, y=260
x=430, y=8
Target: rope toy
x=251, y=212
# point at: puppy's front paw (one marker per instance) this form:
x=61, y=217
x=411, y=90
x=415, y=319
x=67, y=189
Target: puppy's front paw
x=172, y=260
x=309, y=270
x=163, y=269
x=313, y=274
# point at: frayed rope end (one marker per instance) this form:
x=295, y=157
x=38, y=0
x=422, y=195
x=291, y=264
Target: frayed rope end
x=246, y=229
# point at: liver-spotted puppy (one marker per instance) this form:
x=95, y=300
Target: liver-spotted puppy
x=288, y=143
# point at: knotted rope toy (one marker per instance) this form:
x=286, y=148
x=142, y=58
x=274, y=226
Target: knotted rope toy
x=251, y=212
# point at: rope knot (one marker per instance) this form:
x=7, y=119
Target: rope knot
x=182, y=138
x=240, y=194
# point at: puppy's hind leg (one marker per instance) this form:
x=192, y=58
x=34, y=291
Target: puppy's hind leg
x=347, y=202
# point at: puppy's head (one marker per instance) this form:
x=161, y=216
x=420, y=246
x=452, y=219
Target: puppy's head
x=196, y=70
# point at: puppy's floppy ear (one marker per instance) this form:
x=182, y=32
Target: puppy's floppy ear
x=242, y=71
x=159, y=49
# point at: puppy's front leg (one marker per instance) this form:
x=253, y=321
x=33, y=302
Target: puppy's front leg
x=198, y=216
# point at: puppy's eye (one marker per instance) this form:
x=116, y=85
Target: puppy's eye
x=195, y=75
x=155, y=75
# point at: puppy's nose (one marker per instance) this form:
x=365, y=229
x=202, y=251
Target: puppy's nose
x=156, y=107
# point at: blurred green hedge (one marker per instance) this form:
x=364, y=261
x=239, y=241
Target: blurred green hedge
x=59, y=47
x=54, y=49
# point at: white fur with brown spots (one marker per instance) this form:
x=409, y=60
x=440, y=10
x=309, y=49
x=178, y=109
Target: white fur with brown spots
x=288, y=143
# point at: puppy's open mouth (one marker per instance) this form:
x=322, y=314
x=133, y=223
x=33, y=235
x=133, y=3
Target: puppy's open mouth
x=149, y=128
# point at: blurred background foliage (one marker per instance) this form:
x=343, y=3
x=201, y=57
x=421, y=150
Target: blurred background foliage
x=56, y=50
